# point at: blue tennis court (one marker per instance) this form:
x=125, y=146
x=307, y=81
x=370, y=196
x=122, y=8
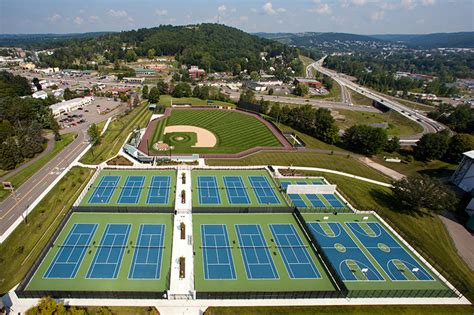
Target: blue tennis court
x=218, y=263
x=104, y=191
x=298, y=201
x=159, y=190
x=297, y=260
x=333, y=201
x=393, y=258
x=146, y=263
x=343, y=253
x=208, y=190
x=235, y=189
x=108, y=258
x=257, y=258
x=264, y=192
x=69, y=257
x=131, y=190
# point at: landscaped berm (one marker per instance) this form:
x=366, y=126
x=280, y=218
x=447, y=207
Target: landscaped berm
x=209, y=131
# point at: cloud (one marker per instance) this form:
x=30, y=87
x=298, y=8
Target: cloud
x=161, y=12
x=281, y=10
x=359, y=2
x=408, y=4
x=93, y=18
x=78, y=20
x=253, y=10
x=428, y=2
x=55, y=18
x=243, y=18
x=377, y=15
x=321, y=9
x=221, y=9
x=268, y=8
x=118, y=13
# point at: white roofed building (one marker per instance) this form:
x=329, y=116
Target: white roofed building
x=463, y=177
x=68, y=106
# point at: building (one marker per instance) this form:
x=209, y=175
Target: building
x=196, y=73
x=40, y=94
x=144, y=71
x=309, y=82
x=134, y=80
x=463, y=177
x=117, y=91
x=68, y=106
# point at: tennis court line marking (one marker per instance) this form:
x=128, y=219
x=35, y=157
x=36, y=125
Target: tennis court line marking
x=305, y=251
x=203, y=183
x=231, y=184
x=117, y=263
x=157, y=179
x=131, y=183
x=133, y=265
x=80, y=260
x=111, y=182
x=228, y=253
x=261, y=180
x=271, y=263
x=332, y=248
x=388, y=272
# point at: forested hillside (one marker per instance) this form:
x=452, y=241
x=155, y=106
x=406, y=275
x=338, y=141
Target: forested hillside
x=211, y=46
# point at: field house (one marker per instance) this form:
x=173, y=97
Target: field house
x=219, y=233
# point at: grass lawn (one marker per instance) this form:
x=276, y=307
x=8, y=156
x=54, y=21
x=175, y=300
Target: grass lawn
x=235, y=132
x=310, y=159
x=334, y=94
x=434, y=168
x=355, y=310
x=360, y=99
x=120, y=310
x=306, y=60
x=398, y=125
x=311, y=142
x=116, y=133
x=21, y=248
x=165, y=100
x=243, y=281
x=412, y=104
x=423, y=231
x=19, y=178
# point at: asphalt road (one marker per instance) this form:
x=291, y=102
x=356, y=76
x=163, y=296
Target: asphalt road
x=15, y=204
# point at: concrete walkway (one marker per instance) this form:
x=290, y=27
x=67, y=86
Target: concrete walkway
x=462, y=238
x=382, y=169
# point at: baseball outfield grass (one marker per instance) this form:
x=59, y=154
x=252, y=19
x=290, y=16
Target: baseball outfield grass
x=121, y=282
x=234, y=131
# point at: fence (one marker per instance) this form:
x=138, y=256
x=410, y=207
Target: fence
x=125, y=209
x=242, y=210
x=93, y=294
x=325, y=210
x=270, y=295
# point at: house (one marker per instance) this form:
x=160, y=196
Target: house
x=40, y=94
x=134, y=80
x=196, y=73
x=309, y=82
x=68, y=106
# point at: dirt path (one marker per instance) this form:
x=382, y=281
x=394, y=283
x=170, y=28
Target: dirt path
x=205, y=138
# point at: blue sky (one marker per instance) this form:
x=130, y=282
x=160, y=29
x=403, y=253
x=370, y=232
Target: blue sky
x=351, y=16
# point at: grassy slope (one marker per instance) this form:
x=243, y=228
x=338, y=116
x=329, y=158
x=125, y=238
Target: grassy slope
x=334, y=162
x=234, y=131
x=20, y=250
x=433, y=168
x=116, y=133
x=359, y=99
x=19, y=178
x=165, y=100
x=398, y=124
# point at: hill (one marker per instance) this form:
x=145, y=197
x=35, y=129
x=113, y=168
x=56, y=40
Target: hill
x=435, y=40
x=37, y=40
x=210, y=46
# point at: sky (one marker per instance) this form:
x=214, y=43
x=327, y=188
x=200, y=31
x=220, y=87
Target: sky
x=349, y=16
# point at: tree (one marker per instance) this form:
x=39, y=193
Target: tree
x=254, y=76
x=37, y=84
x=151, y=53
x=458, y=144
x=131, y=55
x=418, y=192
x=49, y=306
x=365, y=139
x=270, y=91
x=136, y=101
x=393, y=145
x=94, y=134
x=182, y=89
x=162, y=86
x=10, y=154
x=301, y=89
x=154, y=95
x=431, y=146
x=325, y=127
x=69, y=95
x=145, y=92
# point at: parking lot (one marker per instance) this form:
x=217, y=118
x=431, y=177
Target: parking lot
x=92, y=113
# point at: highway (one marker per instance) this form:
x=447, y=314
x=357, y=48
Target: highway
x=15, y=204
x=429, y=125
